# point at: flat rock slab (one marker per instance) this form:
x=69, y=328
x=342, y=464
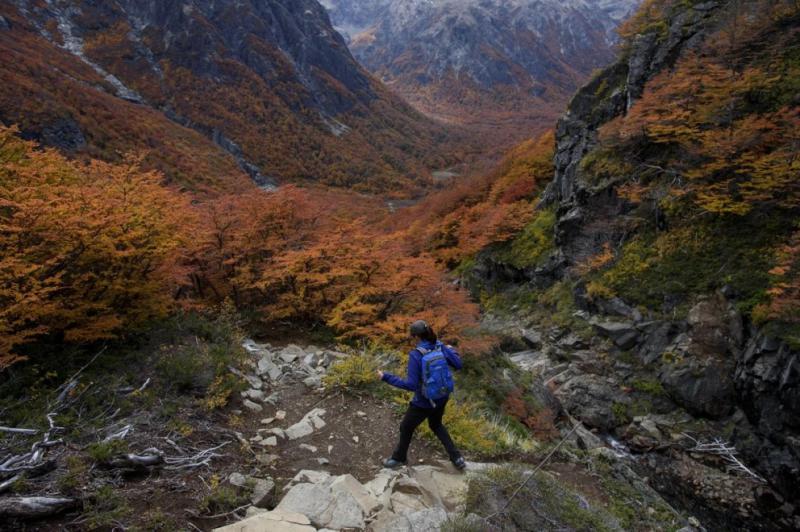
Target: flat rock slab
x=274, y=521
x=306, y=426
x=254, y=407
x=624, y=335
x=429, y=520
x=448, y=489
x=324, y=506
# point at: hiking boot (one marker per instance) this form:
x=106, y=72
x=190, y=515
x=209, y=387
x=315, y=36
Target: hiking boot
x=391, y=463
x=460, y=463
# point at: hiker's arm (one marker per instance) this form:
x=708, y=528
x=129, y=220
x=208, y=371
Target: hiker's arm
x=452, y=356
x=411, y=382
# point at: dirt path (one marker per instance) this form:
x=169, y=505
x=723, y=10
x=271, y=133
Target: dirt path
x=358, y=434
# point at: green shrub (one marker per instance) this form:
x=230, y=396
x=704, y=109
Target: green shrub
x=650, y=386
x=196, y=356
x=223, y=498
x=532, y=245
x=621, y=413
x=105, y=507
x=356, y=372
x=684, y=262
x=102, y=452
x=73, y=476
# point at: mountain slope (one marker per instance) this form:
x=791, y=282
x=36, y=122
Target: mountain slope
x=269, y=82
x=507, y=64
x=671, y=250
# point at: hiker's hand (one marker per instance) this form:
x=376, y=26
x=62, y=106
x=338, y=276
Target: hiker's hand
x=380, y=374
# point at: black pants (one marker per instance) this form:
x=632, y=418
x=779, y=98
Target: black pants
x=416, y=415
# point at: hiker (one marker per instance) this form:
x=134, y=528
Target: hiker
x=440, y=383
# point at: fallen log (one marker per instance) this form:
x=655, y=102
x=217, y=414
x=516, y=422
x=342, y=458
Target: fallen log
x=30, y=471
x=134, y=461
x=15, y=430
x=35, y=507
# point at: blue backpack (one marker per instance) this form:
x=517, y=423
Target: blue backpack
x=437, y=381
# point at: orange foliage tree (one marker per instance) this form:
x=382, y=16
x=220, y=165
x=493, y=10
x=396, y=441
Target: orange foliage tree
x=85, y=250
x=730, y=160
x=455, y=224
x=784, y=295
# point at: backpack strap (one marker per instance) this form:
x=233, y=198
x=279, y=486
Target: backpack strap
x=423, y=352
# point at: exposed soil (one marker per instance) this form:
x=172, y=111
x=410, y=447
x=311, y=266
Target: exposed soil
x=353, y=443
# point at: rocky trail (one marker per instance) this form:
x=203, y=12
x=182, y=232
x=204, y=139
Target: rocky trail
x=302, y=435
x=318, y=457
x=334, y=443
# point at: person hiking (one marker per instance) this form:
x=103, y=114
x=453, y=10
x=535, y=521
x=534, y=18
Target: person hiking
x=422, y=407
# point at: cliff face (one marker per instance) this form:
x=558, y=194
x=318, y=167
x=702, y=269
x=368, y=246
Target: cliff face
x=608, y=96
x=269, y=82
x=675, y=236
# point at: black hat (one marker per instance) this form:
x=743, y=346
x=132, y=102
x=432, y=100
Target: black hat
x=419, y=328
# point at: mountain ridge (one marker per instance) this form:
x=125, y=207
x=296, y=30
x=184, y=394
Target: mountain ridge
x=261, y=80
x=483, y=62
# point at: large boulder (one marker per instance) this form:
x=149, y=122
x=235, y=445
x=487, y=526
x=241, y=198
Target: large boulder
x=702, y=386
x=716, y=327
x=624, y=335
x=324, y=506
x=699, y=371
x=656, y=337
x=591, y=398
x=447, y=490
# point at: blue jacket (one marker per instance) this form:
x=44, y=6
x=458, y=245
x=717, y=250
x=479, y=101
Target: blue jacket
x=413, y=380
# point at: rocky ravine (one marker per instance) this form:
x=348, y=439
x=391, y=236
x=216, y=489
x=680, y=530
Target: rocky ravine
x=671, y=392
x=644, y=378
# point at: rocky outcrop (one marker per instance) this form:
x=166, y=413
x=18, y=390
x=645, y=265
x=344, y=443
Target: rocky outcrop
x=698, y=371
x=661, y=386
x=767, y=378
x=590, y=214
x=415, y=499
x=591, y=399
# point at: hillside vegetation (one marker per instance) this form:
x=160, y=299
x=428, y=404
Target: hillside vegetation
x=645, y=255
x=707, y=162
x=214, y=95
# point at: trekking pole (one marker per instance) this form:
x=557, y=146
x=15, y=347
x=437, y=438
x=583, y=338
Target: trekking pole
x=530, y=476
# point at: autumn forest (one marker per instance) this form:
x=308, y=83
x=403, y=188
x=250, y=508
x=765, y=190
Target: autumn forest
x=670, y=180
